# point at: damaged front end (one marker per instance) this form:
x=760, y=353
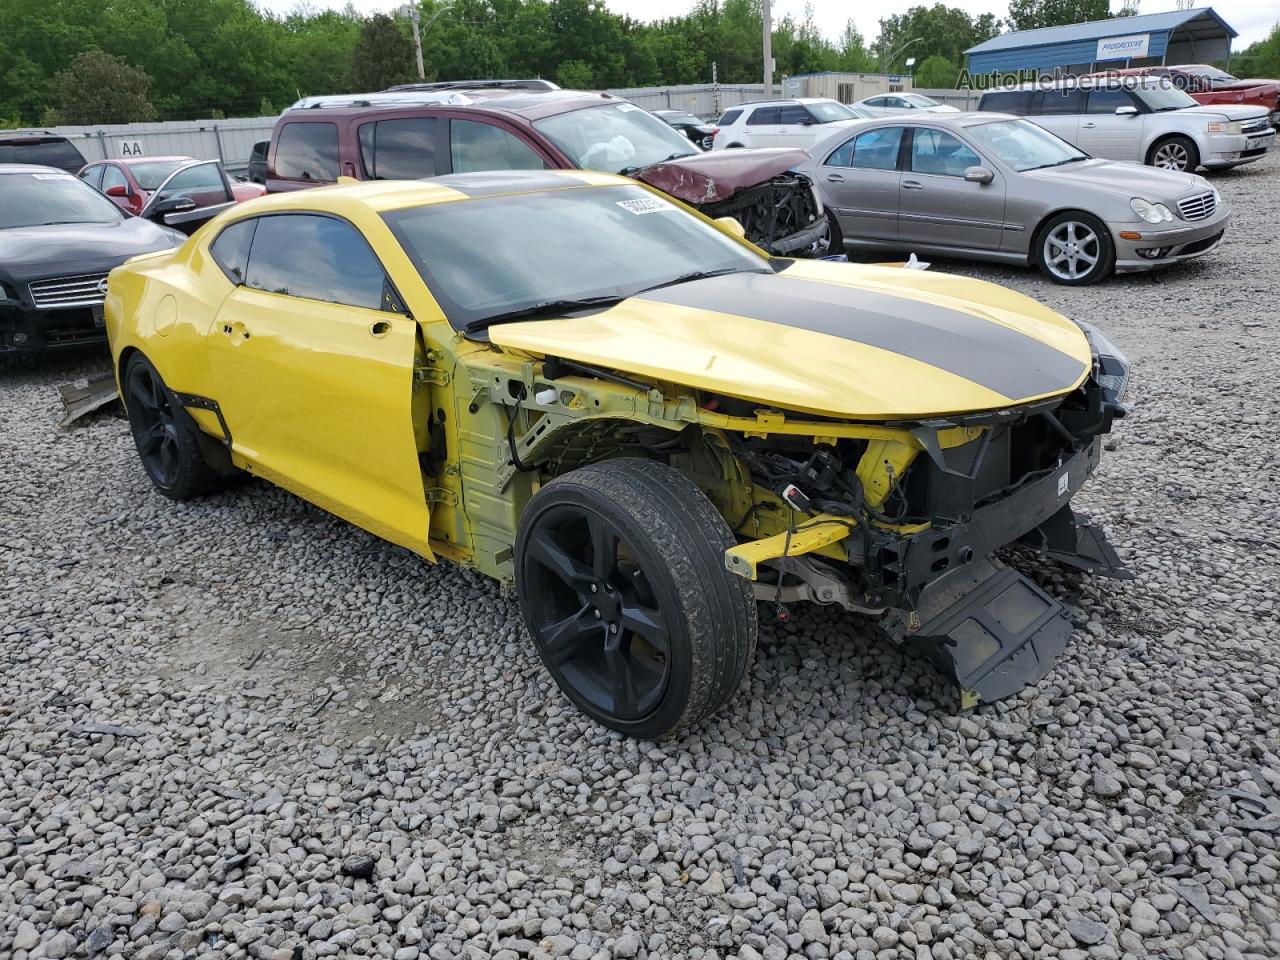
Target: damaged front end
x=905, y=527
x=778, y=208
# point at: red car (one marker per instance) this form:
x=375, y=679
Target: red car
x=130, y=182
x=1209, y=85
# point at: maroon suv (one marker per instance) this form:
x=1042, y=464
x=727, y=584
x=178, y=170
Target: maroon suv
x=428, y=130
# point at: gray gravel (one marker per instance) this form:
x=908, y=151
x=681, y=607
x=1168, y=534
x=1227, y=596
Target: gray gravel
x=240, y=727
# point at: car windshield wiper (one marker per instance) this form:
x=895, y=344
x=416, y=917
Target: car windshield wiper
x=1056, y=163
x=545, y=306
x=696, y=275
x=589, y=303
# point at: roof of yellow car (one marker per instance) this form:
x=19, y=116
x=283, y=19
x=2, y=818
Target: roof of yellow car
x=382, y=195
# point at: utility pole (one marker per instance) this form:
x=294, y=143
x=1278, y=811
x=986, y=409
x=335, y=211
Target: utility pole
x=417, y=39
x=768, y=51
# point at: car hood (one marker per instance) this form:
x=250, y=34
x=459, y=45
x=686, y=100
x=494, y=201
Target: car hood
x=1245, y=85
x=67, y=250
x=1229, y=110
x=1130, y=179
x=718, y=175
x=842, y=340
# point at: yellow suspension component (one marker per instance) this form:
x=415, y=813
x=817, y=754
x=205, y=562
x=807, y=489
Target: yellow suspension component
x=814, y=534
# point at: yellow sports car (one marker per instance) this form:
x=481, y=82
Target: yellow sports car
x=571, y=383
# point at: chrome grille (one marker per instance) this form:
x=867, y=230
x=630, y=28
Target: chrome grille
x=1197, y=207
x=1252, y=128
x=62, y=292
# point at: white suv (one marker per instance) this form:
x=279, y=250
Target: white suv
x=1146, y=120
x=782, y=123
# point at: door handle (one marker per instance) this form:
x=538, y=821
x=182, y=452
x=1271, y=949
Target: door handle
x=379, y=329
x=835, y=178
x=1088, y=126
x=912, y=185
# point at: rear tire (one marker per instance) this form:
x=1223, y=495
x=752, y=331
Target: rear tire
x=1175, y=153
x=166, y=437
x=622, y=584
x=1075, y=248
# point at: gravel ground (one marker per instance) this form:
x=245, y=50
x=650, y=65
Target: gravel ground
x=239, y=727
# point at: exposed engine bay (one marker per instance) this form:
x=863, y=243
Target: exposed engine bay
x=780, y=215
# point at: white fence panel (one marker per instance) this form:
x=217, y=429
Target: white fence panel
x=227, y=140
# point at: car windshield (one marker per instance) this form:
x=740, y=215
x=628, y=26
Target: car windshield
x=828, y=111
x=495, y=255
x=1023, y=145
x=920, y=100
x=614, y=137
x=153, y=173
x=40, y=199
x=1161, y=97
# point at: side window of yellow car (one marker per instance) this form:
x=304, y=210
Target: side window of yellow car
x=316, y=257
x=230, y=250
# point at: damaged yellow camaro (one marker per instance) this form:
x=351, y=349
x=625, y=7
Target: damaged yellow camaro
x=575, y=385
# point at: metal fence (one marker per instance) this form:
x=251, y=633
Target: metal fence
x=231, y=140
x=227, y=140
x=705, y=100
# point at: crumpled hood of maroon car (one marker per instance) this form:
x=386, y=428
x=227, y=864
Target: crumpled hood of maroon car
x=718, y=175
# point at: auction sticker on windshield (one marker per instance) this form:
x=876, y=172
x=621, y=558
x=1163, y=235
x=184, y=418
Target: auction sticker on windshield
x=646, y=205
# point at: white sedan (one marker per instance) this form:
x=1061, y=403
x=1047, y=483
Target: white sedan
x=889, y=104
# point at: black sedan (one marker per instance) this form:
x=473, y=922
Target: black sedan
x=698, y=131
x=59, y=238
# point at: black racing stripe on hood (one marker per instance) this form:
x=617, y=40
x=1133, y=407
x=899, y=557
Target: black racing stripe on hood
x=983, y=351
x=508, y=181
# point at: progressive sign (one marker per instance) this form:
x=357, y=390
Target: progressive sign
x=1123, y=48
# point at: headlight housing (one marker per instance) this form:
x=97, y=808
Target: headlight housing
x=1232, y=127
x=1151, y=212
x=1111, y=366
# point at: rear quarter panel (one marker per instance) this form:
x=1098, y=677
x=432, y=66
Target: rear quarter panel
x=163, y=305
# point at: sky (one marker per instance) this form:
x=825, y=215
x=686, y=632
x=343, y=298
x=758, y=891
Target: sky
x=1252, y=19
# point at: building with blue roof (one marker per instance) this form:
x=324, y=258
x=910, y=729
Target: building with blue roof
x=1180, y=36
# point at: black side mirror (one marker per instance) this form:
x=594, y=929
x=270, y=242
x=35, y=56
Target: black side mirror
x=171, y=205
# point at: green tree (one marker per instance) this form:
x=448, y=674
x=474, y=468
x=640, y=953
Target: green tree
x=383, y=55
x=851, y=52
x=923, y=32
x=936, y=73
x=99, y=88
x=1261, y=59
x=1031, y=14
x=575, y=73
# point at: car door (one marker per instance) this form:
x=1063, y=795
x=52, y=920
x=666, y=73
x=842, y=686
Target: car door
x=312, y=360
x=860, y=181
x=190, y=197
x=402, y=148
x=1058, y=110
x=876, y=106
x=795, y=127
x=304, y=153
x=762, y=126
x=478, y=146
x=116, y=186
x=1106, y=134
x=937, y=205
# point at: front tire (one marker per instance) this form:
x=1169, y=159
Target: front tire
x=1175, y=153
x=622, y=584
x=1075, y=248
x=165, y=435
x=835, y=236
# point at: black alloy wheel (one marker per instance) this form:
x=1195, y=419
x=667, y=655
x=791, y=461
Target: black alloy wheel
x=623, y=587
x=166, y=437
x=600, y=629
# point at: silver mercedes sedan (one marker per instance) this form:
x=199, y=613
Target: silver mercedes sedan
x=991, y=186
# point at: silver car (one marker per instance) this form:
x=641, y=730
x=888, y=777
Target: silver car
x=891, y=104
x=997, y=187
